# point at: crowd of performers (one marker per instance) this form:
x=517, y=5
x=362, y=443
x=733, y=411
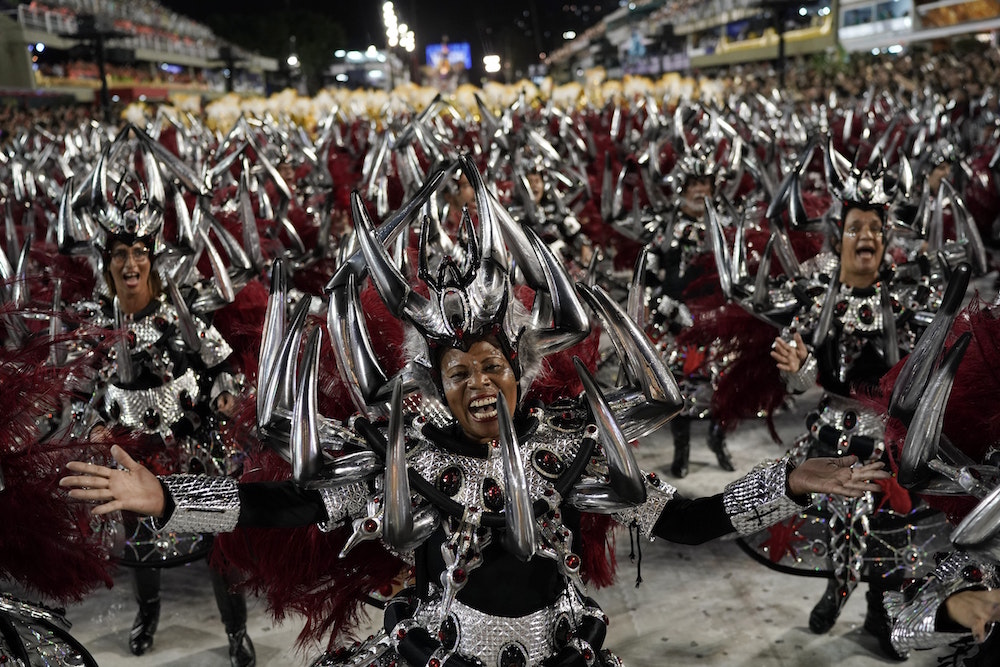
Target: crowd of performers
x=415, y=346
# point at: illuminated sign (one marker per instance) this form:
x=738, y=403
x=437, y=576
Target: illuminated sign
x=459, y=53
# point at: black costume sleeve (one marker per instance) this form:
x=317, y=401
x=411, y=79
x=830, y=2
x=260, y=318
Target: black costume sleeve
x=267, y=505
x=279, y=505
x=693, y=521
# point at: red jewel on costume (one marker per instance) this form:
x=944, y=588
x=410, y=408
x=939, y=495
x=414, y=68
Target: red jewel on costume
x=492, y=495
x=450, y=480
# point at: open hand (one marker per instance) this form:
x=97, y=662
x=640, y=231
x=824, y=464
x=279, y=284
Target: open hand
x=837, y=476
x=975, y=610
x=131, y=488
x=789, y=355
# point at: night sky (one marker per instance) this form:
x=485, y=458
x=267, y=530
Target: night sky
x=515, y=29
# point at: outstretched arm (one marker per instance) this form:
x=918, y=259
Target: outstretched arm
x=766, y=495
x=199, y=501
x=960, y=596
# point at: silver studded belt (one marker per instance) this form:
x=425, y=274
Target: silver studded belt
x=163, y=403
x=838, y=421
x=489, y=637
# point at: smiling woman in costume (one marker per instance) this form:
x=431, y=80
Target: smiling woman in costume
x=848, y=318
x=166, y=382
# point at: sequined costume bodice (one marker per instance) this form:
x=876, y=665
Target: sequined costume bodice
x=855, y=350
x=169, y=378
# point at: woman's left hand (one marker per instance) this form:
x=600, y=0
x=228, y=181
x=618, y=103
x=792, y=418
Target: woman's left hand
x=839, y=476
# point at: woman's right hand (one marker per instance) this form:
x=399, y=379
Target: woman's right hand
x=131, y=488
x=975, y=610
x=789, y=356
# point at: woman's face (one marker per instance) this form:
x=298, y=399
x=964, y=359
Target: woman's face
x=696, y=188
x=471, y=381
x=465, y=195
x=130, y=266
x=861, y=248
x=537, y=186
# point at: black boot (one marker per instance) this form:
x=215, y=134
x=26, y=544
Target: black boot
x=241, y=652
x=681, y=428
x=140, y=638
x=825, y=613
x=717, y=443
x=147, y=594
x=233, y=610
x=877, y=623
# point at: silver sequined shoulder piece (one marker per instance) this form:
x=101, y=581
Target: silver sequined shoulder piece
x=825, y=263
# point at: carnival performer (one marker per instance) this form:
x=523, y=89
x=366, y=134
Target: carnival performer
x=678, y=272
x=167, y=379
x=860, y=319
x=485, y=496
x=544, y=203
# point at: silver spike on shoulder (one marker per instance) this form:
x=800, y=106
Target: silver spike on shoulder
x=626, y=477
x=924, y=431
x=307, y=459
x=397, y=521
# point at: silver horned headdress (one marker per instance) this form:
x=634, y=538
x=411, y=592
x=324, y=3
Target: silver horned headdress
x=868, y=186
x=468, y=283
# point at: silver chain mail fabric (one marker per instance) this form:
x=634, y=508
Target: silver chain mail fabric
x=202, y=504
x=758, y=499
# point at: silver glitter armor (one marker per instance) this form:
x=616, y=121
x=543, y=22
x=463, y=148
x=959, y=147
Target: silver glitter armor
x=644, y=516
x=758, y=499
x=850, y=418
x=148, y=332
x=162, y=402
x=486, y=637
x=38, y=631
x=201, y=504
x=343, y=502
x=214, y=348
x=546, y=454
x=913, y=622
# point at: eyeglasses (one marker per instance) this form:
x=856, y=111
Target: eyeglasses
x=854, y=232
x=139, y=254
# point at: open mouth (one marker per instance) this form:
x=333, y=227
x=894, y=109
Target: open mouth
x=483, y=408
x=131, y=278
x=865, y=252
